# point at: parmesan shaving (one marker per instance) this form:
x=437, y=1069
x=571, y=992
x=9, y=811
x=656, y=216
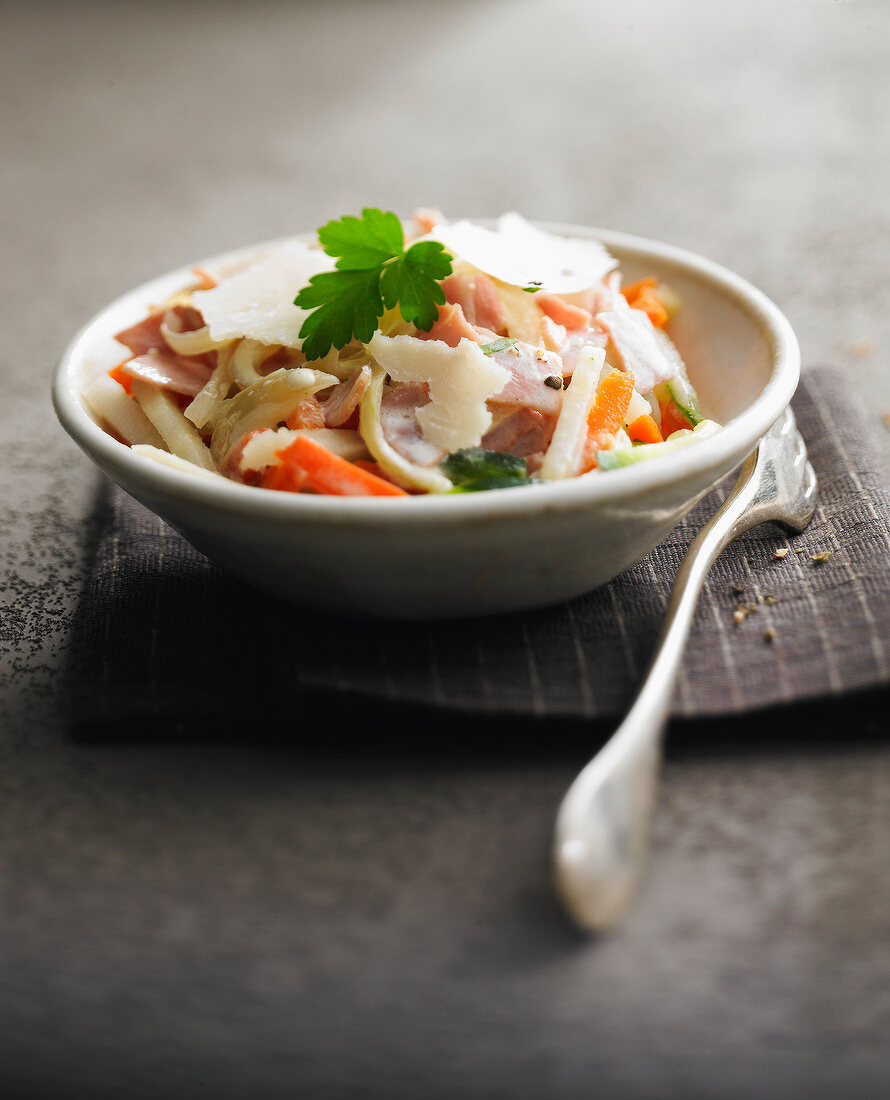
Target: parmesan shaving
x=519, y=253
x=259, y=302
x=461, y=380
x=261, y=450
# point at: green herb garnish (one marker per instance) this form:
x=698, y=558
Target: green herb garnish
x=498, y=345
x=373, y=271
x=475, y=469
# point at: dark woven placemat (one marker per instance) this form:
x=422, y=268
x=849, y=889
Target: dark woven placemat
x=163, y=636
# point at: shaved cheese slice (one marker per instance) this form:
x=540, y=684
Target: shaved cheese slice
x=261, y=450
x=461, y=380
x=259, y=302
x=519, y=253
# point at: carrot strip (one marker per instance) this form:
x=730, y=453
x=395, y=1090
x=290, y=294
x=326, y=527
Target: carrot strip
x=644, y=430
x=206, y=281
x=120, y=375
x=606, y=415
x=611, y=403
x=332, y=475
x=643, y=295
x=633, y=290
x=650, y=303
x=286, y=477
x=672, y=420
x=308, y=414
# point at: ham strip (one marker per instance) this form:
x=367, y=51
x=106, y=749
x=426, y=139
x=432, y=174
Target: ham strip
x=594, y=337
x=632, y=335
x=170, y=372
x=477, y=296
x=344, y=399
x=564, y=313
x=451, y=327
x=522, y=433
x=146, y=335
x=529, y=368
x=398, y=421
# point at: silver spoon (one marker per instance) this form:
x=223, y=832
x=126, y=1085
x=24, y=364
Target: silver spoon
x=602, y=827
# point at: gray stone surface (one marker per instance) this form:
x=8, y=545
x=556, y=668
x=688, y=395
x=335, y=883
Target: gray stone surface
x=274, y=921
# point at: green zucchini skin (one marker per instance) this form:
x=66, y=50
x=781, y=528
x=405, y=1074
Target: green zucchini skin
x=616, y=458
x=685, y=398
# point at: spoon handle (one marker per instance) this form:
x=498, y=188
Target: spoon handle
x=602, y=827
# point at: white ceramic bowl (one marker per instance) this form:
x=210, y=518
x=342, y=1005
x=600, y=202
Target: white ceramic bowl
x=474, y=553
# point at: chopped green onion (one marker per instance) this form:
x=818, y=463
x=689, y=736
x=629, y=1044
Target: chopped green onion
x=498, y=345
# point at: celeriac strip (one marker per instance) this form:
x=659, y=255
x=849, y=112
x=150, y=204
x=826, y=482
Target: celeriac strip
x=564, y=453
x=178, y=433
x=110, y=401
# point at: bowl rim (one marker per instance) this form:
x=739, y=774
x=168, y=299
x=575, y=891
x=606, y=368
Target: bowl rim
x=716, y=454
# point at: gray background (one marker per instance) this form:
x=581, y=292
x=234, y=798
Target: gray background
x=269, y=921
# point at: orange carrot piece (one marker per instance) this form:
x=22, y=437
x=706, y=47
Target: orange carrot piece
x=633, y=290
x=332, y=475
x=672, y=420
x=374, y=468
x=607, y=415
x=650, y=303
x=644, y=430
x=206, y=281
x=120, y=375
x=286, y=477
x=611, y=404
x=643, y=295
x=308, y=414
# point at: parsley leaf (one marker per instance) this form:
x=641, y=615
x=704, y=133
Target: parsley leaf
x=363, y=242
x=373, y=270
x=473, y=469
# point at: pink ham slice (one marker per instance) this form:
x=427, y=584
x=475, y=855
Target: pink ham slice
x=598, y=298
x=344, y=399
x=170, y=372
x=564, y=313
x=478, y=298
x=398, y=421
x=554, y=336
x=594, y=337
x=522, y=433
x=633, y=337
x=146, y=335
x=452, y=327
x=527, y=408
x=529, y=368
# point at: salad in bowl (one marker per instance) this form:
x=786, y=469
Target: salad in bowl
x=388, y=359
x=525, y=387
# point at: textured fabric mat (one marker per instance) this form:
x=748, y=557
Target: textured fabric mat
x=166, y=637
